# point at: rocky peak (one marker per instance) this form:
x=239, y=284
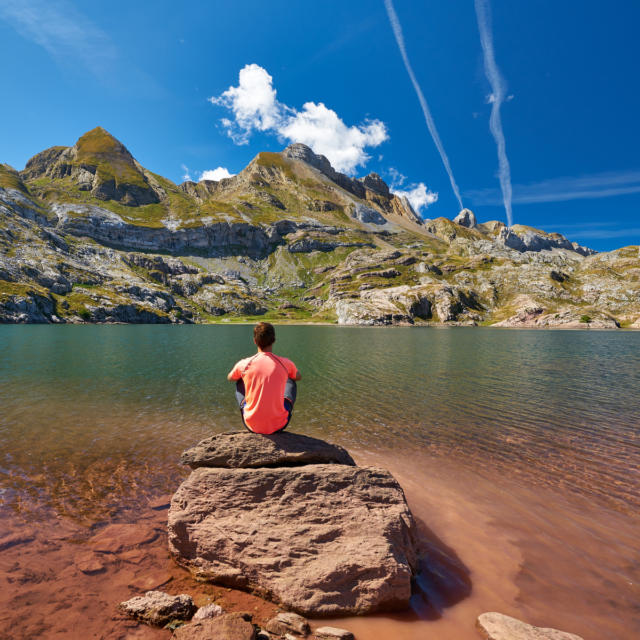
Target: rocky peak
x=523, y=238
x=466, y=218
x=98, y=163
x=98, y=144
x=374, y=182
x=299, y=151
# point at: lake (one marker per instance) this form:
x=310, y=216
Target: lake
x=518, y=450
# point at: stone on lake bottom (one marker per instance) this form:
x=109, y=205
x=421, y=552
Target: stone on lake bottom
x=288, y=622
x=89, y=563
x=159, y=608
x=332, y=633
x=14, y=539
x=117, y=537
x=161, y=503
x=229, y=626
x=208, y=611
x=497, y=626
x=149, y=580
x=250, y=450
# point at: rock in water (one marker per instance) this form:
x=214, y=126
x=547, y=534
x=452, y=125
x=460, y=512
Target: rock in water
x=288, y=622
x=332, y=633
x=322, y=539
x=497, y=626
x=159, y=608
x=230, y=626
x=208, y=611
x=247, y=450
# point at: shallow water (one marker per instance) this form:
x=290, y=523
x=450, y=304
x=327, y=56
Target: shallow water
x=519, y=450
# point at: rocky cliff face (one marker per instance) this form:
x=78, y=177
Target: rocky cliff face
x=89, y=235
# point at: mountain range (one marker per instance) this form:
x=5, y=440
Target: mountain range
x=89, y=235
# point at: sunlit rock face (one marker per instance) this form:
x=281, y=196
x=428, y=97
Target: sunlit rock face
x=89, y=235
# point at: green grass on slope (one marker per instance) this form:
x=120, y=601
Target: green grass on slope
x=98, y=148
x=9, y=179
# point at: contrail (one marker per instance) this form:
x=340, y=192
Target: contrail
x=499, y=90
x=431, y=125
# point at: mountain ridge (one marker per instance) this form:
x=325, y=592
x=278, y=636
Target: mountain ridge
x=89, y=235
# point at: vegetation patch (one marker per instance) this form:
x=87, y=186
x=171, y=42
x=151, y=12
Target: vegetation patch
x=11, y=289
x=9, y=179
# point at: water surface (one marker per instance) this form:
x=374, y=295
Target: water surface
x=533, y=434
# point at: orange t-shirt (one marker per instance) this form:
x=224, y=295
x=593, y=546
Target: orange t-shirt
x=265, y=376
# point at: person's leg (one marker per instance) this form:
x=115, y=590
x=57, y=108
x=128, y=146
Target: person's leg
x=240, y=398
x=291, y=391
x=240, y=393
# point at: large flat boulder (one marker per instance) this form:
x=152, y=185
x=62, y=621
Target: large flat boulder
x=322, y=539
x=241, y=449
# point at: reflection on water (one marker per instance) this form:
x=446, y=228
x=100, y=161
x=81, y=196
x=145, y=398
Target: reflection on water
x=93, y=419
x=90, y=415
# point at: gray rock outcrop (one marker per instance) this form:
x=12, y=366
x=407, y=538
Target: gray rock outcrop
x=367, y=214
x=322, y=539
x=497, y=626
x=466, y=218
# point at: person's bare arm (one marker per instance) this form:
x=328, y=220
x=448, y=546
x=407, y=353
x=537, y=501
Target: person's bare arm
x=298, y=376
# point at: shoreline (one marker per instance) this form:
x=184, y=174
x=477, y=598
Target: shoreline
x=295, y=323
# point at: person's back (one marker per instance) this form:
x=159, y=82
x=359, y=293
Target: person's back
x=266, y=388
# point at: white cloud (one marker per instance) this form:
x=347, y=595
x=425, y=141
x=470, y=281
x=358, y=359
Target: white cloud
x=397, y=179
x=255, y=108
x=59, y=28
x=187, y=174
x=215, y=174
x=428, y=117
x=419, y=196
x=497, y=97
x=321, y=129
x=253, y=103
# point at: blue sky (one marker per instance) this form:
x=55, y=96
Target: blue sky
x=146, y=72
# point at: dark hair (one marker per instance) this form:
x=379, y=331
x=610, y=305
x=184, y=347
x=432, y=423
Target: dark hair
x=264, y=334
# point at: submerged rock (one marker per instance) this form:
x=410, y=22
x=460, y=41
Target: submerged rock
x=497, y=626
x=247, y=450
x=159, y=608
x=322, y=539
x=230, y=626
x=208, y=611
x=332, y=633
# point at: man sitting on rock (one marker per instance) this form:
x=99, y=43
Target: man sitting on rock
x=265, y=385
